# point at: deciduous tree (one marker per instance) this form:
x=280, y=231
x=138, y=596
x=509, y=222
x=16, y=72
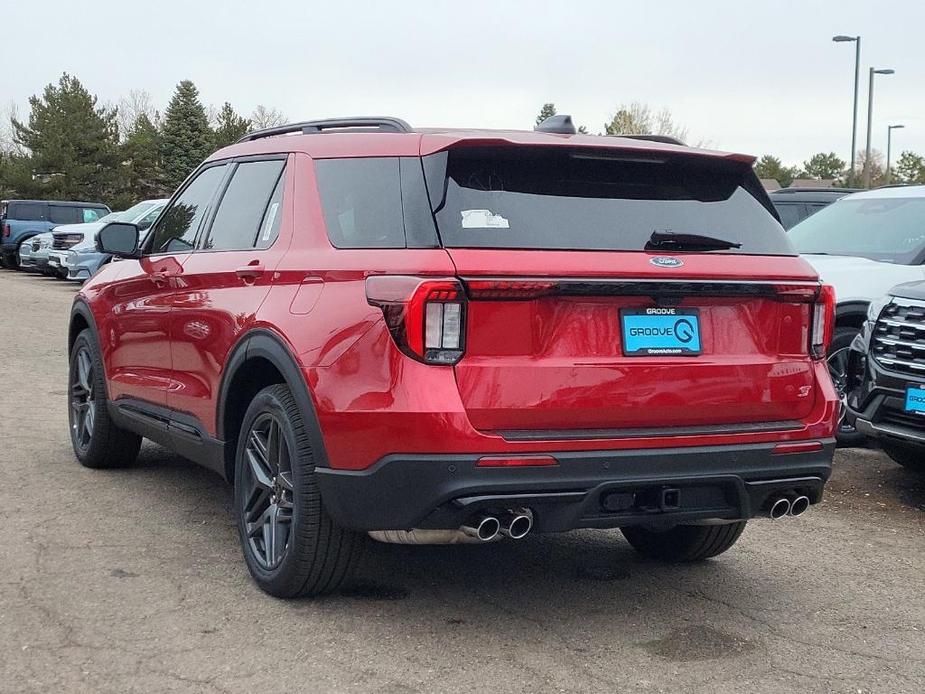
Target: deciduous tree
x=824, y=166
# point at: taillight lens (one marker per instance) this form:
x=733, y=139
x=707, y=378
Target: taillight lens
x=6, y=230
x=823, y=322
x=426, y=317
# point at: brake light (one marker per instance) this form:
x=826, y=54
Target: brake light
x=509, y=289
x=6, y=230
x=823, y=322
x=426, y=317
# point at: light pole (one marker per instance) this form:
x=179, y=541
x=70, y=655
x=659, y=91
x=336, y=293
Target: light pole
x=854, y=112
x=870, y=118
x=889, y=143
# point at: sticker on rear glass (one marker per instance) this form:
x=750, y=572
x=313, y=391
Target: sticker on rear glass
x=483, y=219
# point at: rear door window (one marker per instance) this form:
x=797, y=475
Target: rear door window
x=27, y=211
x=575, y=199
x=243, y=207
x=362, y=202
x=61, y=214
x=176, y=230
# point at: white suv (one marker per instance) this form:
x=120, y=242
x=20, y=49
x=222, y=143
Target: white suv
x=863, y=244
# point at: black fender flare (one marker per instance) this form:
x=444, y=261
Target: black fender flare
x=265, y=344
x=80, y=308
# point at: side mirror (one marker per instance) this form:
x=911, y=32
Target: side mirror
x=119, y=239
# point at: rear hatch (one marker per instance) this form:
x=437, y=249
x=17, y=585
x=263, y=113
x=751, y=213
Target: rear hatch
x=581, y=323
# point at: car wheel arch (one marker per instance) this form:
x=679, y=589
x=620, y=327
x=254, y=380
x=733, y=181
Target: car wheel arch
x=851, y=314
x=261, y=358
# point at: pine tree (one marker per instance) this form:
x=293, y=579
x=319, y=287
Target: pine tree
x=186, y=138
x=142, y=151
x=548, y=110
x=73, y=143
x=230, y=127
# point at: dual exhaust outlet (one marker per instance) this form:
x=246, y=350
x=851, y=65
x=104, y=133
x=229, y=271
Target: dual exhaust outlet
x=787, y=506
x=515, y=524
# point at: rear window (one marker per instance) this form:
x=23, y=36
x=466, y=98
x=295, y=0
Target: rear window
x=557, y=198
x=26, y=211
x=890, y=230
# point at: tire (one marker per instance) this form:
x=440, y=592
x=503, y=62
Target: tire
x=97, y=441
x=684, y=543
x=846, y=435
x=910, y=457
x=277, y=502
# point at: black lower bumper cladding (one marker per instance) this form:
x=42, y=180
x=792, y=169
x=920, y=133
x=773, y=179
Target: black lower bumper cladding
x=597, y=489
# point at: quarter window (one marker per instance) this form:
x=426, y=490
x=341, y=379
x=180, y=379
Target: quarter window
x=244, y=206
x=273, y=217
x=176, y=230
x=92, y=214
x=362, y=202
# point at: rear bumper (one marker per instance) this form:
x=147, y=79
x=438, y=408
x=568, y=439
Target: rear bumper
x=586, y=489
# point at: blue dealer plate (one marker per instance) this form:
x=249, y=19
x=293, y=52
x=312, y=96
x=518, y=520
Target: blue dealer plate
x=664, y=332
x=915, y=399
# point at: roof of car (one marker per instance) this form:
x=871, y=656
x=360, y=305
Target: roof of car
x=68, y=203
x=891, y=192
x=423, y=141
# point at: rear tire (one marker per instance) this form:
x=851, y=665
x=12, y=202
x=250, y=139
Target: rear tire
x=846, y=435
x=910, y=457
x=291, y=546
x=97, y=441
x=684, y=543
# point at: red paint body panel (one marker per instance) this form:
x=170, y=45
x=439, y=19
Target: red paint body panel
x=549, y=363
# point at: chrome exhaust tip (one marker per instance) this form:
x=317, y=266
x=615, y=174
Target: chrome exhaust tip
x=517, y=524
x=485, y=529
x=780, y=508
x=799, y=506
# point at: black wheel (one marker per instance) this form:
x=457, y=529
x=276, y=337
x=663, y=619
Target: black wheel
x=97, y=441
x=846, y=435
x=684, y=543
x=291, y=545
x=910, y=457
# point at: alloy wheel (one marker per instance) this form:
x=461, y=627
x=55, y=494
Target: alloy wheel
x=267, y=494
x=838, y=369
x=83, y=399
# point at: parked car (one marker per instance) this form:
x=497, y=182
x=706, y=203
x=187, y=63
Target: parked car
x=886, y=375
x=22, y=219
x=33, y=253
x=430, y=336
x=75, y=255
x=863, y=245
x=796, y=204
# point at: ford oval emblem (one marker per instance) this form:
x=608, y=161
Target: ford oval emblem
x=666, y=261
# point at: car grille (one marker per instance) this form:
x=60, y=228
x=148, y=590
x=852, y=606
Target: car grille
x=63, y=241
x=898, y=341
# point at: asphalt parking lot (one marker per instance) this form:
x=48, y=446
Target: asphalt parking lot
x=132, y=581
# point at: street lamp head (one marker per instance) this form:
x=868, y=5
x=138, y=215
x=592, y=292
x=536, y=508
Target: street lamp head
x=841, y=38
x=895, y=127
x=886, y=71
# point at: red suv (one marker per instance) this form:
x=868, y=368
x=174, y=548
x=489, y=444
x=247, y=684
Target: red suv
x=440, y=335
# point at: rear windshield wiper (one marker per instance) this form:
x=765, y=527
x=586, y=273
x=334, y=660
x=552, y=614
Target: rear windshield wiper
x=669, y=240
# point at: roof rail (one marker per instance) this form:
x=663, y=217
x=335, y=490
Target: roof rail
x=666, y=139
x=384, y=124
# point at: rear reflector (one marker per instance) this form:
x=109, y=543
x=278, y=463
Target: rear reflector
x=801, y=447
x=516, y=461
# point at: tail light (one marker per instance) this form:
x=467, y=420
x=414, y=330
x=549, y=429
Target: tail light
x=426, y=317
x=6, y=230
x=823, y=322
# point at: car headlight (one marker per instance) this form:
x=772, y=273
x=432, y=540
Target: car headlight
x=876, y=306
x=45, y=243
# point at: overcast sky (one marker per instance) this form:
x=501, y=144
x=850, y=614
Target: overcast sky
x=758, y=77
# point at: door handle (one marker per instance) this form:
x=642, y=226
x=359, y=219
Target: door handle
x=251, y=271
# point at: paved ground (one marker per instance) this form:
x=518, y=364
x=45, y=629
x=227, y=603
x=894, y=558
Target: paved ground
x=131, y=581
